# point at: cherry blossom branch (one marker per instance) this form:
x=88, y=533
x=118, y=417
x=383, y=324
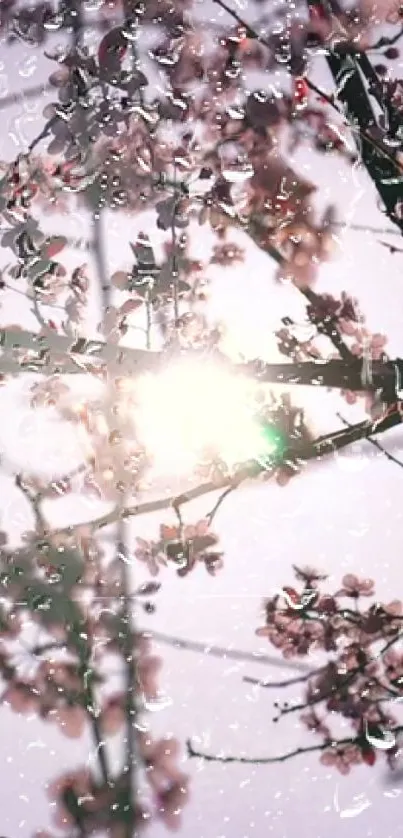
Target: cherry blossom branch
x=338, y=374
x=300, y=679
x=216, y=651
x=131, y=672
x=327, y=326
x=344, y=682
x=382, y=167
x=334, y=743
x=323, y=446
x=204, y=648
x=385, y=42
x=371, y=141
x=227, y=491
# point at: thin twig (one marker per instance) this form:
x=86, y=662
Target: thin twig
x=300, y=679
x=211, y=515
x=131, y=680
x=251, y=32
x=375, y=443
x=385, y=42
x=209, y=649
x=222, y=652
x=333, y=743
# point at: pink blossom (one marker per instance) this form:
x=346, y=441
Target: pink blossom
x=151, y=554
x=393, y=663
x=171, y=801
x=342, y=758
x=355, y=587
x=292, y=636
x=312, y=721
x=227, y=254
x=394, y=608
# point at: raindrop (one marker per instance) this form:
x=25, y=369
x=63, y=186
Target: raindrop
x=156, y=704
x=93, y=5
x=236, y=112
x=384, y=740
x=283, y=53
x=54, y=22
x=233, y=70
x=28, y=67
x=144, y=161
x=3, y=85
x=238, y=174
x=131, y=32
x=354, y=460
x=164, y=59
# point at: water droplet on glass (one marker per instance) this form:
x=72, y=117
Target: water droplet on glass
x=156, y=704
x=165, y=59
x=238, y=174
x=3, y=85
x=236, y=112
x=383, y=740
x=233, y=70
x=93, y=5
x=53, y=23
x=28, y=67
x=360, y=802
x=283, y=53
x=354, y=460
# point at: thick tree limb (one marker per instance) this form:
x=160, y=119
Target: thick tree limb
x=321, y=447
x=85, y=355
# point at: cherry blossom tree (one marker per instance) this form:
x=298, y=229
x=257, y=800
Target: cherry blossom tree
x=174, y=128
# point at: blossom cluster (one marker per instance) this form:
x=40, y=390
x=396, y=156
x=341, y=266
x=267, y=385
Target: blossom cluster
x=362, y=681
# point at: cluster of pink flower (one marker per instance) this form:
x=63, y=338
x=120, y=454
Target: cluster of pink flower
x=76, y=797
x=343, y=323
x=186, y=546
x=73, y=592
x=364, y=675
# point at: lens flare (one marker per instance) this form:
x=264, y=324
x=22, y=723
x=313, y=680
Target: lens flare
x=193, y=408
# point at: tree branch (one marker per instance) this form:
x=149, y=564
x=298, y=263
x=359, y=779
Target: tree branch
x=375, y=443
x=338, y=374
x=322, y=446
x=334, y=743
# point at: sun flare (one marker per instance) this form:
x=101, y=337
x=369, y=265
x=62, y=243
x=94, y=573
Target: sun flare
x=193, y=408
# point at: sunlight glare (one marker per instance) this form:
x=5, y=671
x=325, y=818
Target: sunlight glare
x=196, y=407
